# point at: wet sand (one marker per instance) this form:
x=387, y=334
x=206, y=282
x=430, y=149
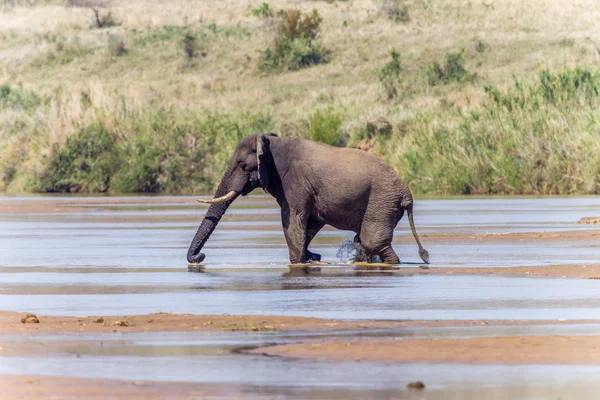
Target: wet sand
x=10, y=323
x=483, y=350
x=583, y=235
x=471, y=350
x=40, y=387
x=559, y=271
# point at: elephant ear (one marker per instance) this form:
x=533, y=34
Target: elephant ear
x=263, y=154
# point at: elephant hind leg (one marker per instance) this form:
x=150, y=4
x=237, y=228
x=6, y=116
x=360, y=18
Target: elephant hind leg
x=376, y=239
x=389, y=256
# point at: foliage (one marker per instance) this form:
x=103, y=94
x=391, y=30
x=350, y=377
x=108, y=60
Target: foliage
x=325, y=127
x=296, y=44
x=85, y=163
x=536, y=139
x=101, y=21
x=157, y=151
x=378, y=127
x=453, y=71
x=65, y=51
x=390, y=75
x=571, y=87
x=117, y=46
x=17, y=98
x=395, y=10
x=264, y=11
x=190, y=46
x=481, y=46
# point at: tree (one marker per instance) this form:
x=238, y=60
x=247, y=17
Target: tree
x=96, y=6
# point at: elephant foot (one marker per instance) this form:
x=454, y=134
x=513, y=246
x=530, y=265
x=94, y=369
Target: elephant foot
x=310, y=256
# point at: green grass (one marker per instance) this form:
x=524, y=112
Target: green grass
x=169, y=152
x=543, y=138
x=158, y=103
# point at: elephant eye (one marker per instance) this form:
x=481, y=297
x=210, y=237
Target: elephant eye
x=243, y=165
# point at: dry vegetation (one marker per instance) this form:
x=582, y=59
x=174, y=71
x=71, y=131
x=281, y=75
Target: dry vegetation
x=157, y=100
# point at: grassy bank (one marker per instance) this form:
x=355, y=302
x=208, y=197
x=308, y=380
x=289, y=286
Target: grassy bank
x=459, y=96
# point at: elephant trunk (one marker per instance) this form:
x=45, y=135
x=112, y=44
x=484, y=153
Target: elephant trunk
x=210, y=221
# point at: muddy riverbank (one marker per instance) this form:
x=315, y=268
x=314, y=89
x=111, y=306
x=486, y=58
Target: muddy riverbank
x=482, y=350
x=11, y=323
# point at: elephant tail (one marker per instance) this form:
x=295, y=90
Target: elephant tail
x=422, y=252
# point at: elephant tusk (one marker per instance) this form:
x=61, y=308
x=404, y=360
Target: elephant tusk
x=221, y=199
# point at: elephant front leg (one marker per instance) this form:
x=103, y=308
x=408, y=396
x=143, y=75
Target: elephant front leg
x=312, y=228
x=294, y=229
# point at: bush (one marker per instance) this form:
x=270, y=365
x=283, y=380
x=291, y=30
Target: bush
x=452, y=71
x=540, y=138
x=85, y=163
x=325, y=127
x=567, y=89
x=264, y=11
x=377, y=127
x=481, y=46
x=142, y=168
x=9, y=175
x=190, y=46
x=296, y=44
x=64, y=52
x=18, y=98
x=394, y=10
x=117, y=46
x=101, y=21
x=389, y=75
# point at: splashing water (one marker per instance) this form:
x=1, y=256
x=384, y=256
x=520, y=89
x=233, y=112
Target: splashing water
x=350, y=252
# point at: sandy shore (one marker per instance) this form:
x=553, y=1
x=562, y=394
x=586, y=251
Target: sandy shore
x=591, y=234
x=41, y=387
x=10, y=323
x=590, y=271
x=481, y=350
x=475, y=350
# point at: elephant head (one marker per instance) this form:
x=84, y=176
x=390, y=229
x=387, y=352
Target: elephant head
x=247, y=170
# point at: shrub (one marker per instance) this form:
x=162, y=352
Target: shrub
x=9, y=175
x=540, y=138
x=296, y=44
x=325, y=127
x=190, y=46
x=453, y=70
x=117, y=46
x=395, y=10
x=577, y=85
x=102, y=21
x=569, y=88
x=18, y=98
x=85, y=163
x=377, y=127
x=264, y=11
x=142, y=168
x=64, y=52
x=389, y=75
x=481, y=46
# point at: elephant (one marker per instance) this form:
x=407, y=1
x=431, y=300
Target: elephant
x=315, y=185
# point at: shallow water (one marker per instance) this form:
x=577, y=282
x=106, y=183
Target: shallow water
x=208, y=357
x=347, y=297
x=127, y=256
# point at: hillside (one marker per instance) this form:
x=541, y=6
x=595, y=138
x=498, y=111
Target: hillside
x=157, y=101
